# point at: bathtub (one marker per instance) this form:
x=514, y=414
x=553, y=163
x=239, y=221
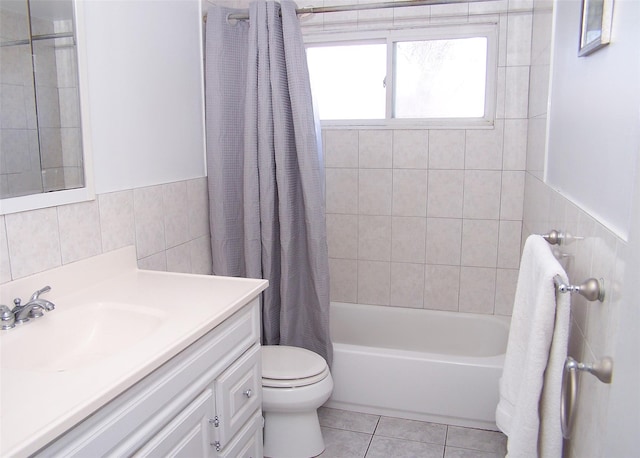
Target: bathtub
x=434, y=366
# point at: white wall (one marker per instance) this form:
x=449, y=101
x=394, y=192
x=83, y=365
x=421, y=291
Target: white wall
x=146, y=92
x=594, y=117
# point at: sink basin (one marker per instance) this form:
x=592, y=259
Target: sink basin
x=75, y=338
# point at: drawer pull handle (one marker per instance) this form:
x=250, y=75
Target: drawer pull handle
x=248, y=393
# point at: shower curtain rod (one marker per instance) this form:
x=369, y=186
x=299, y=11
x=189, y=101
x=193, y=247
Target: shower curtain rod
x=364, y=6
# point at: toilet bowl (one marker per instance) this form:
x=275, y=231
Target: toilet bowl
x=295, y=382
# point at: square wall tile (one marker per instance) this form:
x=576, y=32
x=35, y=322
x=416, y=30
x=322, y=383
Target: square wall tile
x=374, y=282
x=37, y=249
x=482, y=194
x=200, y=251
x=344, y=280
x=198, y=201
x=446, y=149
x=5, y=265
x=501, y=77
x=156, y=261
x=445, y=196
x=517, y=92
x=512, y=196
x=79, y=226
x=374, y=238
x=342, y=235
x=409, y=192
x=514, y=156
x=341, y=148
x=519, y=27
x=410, y=149
x=176, y=213
x=116, y=220
x=509, y=244
x=408, y=238
x=506, y=283
x=441, y=287
x=479, y=243
x=502, y=40
x=407, y=285
x=483, y=149
x=179, y=259
x=477, y=289
x=444, y=241
x=342, y=190
x=375, y=149
x=375, y=191
x=148, y=210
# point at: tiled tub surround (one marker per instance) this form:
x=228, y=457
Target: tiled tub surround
x=167, y=223
x=432, y=218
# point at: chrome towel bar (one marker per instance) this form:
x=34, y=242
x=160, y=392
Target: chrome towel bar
x=555, y=237
x=591, y=289
x=602, y=369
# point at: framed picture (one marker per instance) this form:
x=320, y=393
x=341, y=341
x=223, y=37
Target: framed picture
x=595, y=30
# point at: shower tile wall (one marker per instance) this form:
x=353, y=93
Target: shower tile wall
x=432, y=218
x=167, y=223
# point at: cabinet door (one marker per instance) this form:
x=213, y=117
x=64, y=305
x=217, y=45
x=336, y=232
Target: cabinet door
x=238, y=394
x=188, y=435
x=248, y=442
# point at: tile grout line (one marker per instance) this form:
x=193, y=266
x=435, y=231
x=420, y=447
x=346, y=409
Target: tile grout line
x=372, y=436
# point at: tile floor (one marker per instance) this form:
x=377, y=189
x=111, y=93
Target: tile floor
x=356, y=435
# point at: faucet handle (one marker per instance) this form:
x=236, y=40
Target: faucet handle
x=37, y=294
x=7, y=318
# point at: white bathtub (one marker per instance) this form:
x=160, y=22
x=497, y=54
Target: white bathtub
x=418, y=364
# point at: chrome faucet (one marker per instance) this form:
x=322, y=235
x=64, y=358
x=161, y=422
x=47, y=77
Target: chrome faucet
x=21, y=313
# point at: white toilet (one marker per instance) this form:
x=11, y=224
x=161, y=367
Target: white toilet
x=295, y=382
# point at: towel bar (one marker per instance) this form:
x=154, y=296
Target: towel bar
x=591, y=289
x=602, y=369
x=555, y=237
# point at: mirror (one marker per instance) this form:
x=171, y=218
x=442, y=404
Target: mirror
x=41, y=147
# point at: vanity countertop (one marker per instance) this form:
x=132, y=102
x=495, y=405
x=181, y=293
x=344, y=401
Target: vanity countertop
x=113, y=325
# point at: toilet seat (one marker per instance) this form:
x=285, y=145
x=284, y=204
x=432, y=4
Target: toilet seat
x=288, y=367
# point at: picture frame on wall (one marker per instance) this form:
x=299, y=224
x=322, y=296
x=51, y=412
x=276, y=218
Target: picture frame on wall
x=595, y=27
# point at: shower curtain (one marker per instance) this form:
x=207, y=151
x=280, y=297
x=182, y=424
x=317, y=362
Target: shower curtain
x=265, y=173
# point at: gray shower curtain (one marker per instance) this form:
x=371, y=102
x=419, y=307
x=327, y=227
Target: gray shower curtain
x=264, y=169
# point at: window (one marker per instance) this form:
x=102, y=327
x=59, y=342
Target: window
x=444, y=75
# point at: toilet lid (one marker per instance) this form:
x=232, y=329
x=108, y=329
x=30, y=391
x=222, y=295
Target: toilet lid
x=283, y=363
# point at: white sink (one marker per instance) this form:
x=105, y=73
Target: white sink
x=78, y=337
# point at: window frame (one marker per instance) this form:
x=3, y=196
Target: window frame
x=391, y=36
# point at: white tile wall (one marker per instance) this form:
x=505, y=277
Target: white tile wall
x=167, y=223
x=438, y=211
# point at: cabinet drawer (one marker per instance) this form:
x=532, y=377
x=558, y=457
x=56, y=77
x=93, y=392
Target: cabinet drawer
x=248, y=442
x=187, y=435
x=238, y=394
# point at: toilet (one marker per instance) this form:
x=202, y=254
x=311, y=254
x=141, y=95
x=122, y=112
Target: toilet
x=295, y=382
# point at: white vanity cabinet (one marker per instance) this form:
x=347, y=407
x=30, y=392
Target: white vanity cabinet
x=204, y=402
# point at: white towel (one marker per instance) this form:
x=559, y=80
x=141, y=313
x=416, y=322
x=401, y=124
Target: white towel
x=529, y=408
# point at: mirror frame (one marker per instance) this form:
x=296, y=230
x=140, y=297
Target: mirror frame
x=87, y=193
x=587, y=47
